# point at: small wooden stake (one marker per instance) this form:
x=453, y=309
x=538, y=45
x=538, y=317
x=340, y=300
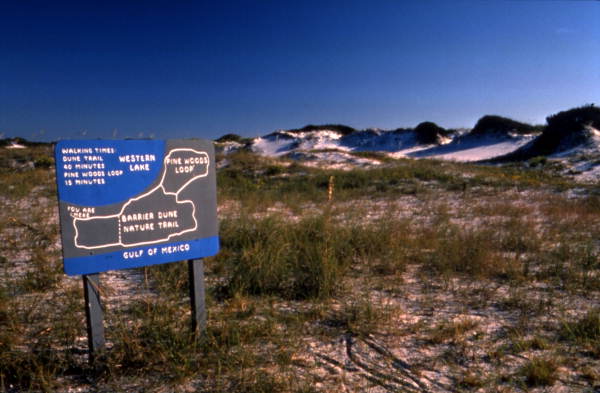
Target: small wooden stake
x=93, y=314
x=197, y=300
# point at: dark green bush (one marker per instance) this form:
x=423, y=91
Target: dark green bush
x=573, y=119
x=499, y=124
x=231, y=138
x=429, y=133
x=567, y=129
x=340, y=128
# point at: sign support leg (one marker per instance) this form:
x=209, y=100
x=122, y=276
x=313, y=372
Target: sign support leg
x=197, y=298
x=93, y=314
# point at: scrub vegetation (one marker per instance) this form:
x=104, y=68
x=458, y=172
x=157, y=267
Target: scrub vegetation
x=415, y=276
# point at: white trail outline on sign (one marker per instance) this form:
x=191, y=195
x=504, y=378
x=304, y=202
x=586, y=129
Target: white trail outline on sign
x=159, y=186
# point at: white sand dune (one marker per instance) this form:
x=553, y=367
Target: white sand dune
x=475, y=148
x=401, y=143
x=331, y=148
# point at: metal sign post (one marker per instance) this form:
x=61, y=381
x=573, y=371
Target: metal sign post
x=93, y=314
x=197, y=300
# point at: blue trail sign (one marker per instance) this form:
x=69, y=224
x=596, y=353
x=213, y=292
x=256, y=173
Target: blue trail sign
x=131, y=203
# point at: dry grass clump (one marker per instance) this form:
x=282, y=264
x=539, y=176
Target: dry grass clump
x=540, y=372
x=303, y=259
x=584, y=332
x=294, y=260
x=47, y=328
x=493, y=252
x=451, y=330
x=360, y=316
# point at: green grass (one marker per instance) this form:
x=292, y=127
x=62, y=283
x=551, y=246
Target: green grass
x=254, y=180
x=451, y=330
x=48, y=328
x=23, y=170
x=573, y=265
x=272, y=256
x=296, y=268
x=540, y=372
x=304, y=259
x=584, y=332
x=482, y=252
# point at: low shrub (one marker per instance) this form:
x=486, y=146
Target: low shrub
x=340, y=128
x=565, y=130
x=573, y=120
x=499, y=124
x=429, y=133
x=230, y=138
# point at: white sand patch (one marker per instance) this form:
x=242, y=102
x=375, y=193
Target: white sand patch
x=583, y=161
x=473, y=148
x=229, y=146
x=15, y=145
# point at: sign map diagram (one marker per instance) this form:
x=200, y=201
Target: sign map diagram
x=155, y=216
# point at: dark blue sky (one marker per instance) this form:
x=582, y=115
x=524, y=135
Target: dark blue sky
x=183, y=69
